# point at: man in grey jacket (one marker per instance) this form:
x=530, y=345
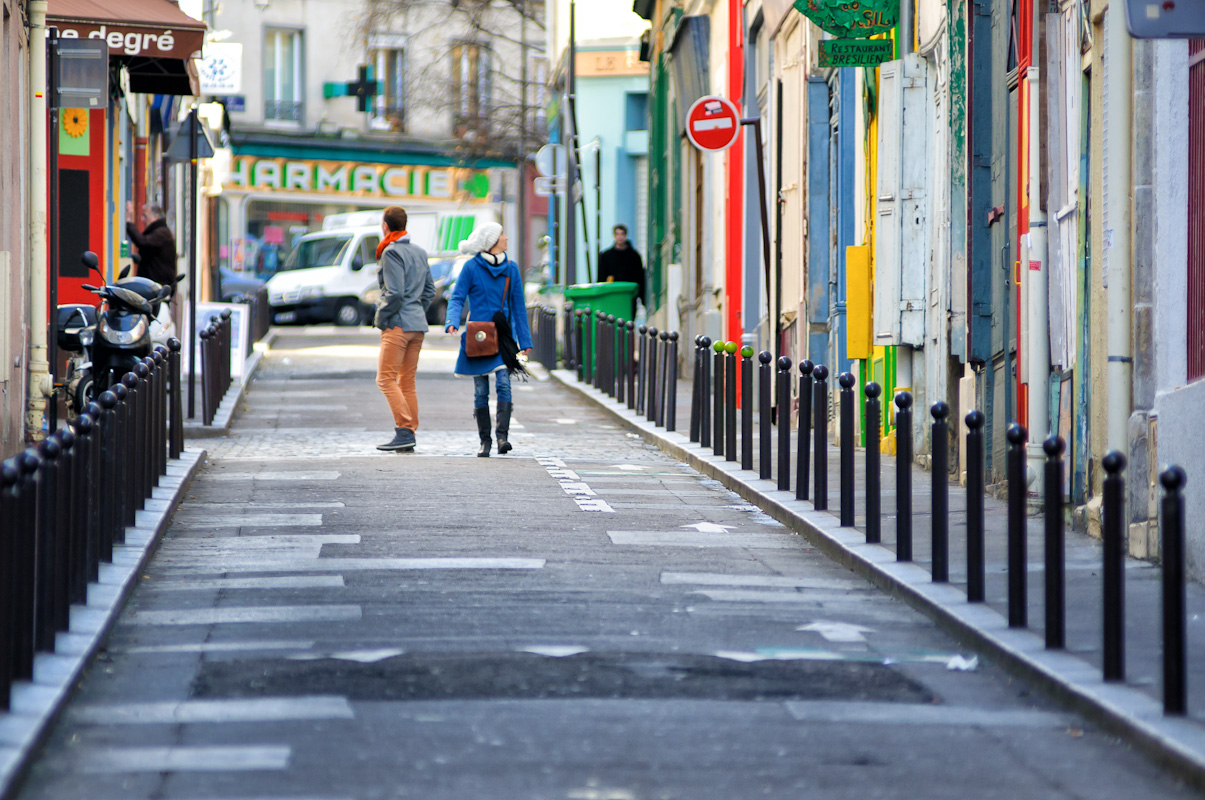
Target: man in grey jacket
x=406, y=291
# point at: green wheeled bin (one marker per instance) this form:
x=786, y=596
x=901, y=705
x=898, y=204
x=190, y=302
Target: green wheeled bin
x=613, y=297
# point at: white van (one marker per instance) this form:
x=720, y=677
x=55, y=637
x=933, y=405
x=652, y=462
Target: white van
x=331, y=276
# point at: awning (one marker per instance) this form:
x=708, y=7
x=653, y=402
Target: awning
x=154, y=39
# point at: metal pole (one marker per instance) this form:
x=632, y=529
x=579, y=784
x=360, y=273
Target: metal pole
x=976, y=575
x=746, y=407
x=1175, y=688
x=874, y=418
x=765, y=217
x=192, y=263
x=941, y=492
x=53, y=221
x=765, y=411
x=1056, y=616
x=694, y=389
x=1018, y=559
x=803, y=454
x=705, y=391
x=846, y=380
x=784, y=424
x=820, y=432
x=730, y=380
x=717, y=437
x=671, y=383
x=903, y=477
x=1114, y=566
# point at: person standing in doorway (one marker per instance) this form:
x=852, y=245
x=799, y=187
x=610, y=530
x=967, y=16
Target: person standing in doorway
x=156, y=244
x=623, y=263
x=407, y=290
x=493, y=287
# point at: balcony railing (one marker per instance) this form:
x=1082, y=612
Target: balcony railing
x=286, y=111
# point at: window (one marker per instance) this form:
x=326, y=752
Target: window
x=470, y=87
x=387, y=54
x=636, y=111
x=368, y=253
x=283, y=83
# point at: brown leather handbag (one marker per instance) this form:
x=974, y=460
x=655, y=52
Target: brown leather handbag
x=481, y=338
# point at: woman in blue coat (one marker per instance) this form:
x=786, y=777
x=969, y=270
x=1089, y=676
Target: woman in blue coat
x=483, y=283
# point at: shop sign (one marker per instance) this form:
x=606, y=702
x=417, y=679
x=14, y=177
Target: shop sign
x=355, y=179
x=855, y=52
x=136, y=41
x=221, y=71
x=854, y=19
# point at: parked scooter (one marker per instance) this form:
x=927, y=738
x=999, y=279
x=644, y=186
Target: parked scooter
x=110, y=342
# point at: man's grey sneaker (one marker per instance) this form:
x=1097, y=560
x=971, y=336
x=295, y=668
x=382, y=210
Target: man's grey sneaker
x=403, y=439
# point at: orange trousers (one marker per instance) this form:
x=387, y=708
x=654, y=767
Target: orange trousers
x=396, y=366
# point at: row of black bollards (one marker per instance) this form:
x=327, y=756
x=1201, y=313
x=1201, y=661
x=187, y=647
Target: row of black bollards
x=542, y=322
x=66, y=502
x=215, y=364
x=713, y=424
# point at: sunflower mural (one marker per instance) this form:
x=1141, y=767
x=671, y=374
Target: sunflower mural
x=73, y=132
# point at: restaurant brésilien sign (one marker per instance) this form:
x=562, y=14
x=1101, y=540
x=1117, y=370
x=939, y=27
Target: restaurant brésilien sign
x=355, y=179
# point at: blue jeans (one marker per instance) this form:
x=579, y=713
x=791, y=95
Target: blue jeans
x=481, y=388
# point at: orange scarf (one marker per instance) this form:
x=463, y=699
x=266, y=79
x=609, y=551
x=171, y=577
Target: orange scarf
x=388, y=240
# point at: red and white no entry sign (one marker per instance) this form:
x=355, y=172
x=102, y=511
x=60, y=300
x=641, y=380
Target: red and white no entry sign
x=712, y=123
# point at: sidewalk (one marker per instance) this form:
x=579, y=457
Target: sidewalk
x=1133, y=709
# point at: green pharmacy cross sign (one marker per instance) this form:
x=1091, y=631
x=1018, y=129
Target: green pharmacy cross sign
x=854, y=19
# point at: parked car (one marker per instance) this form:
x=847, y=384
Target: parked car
x=445, y=271
x=231, y=284
x=325, y=276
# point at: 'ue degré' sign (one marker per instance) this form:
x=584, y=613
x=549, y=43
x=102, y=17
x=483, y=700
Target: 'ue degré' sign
x=387, y=181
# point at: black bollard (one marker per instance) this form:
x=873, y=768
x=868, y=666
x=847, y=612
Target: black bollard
x=26, y=566
x=1175, y=687
x=874, y=498
x=663, y=380
x=846, y=381
x=121, y=464
x=176, y=405
x=784, y=424
x=696, y=376
x=642, y=385
x=903, y=477
x=940, y=444
x=599, y=336
x=10, y=475
x=1114, y=566
x=671, y=383
x=1056, y=617
x=820, y=434
x=1018, y=557
x=717, y=436
x=96, y=486
x=705, y=391
x=64, y=519
x=976, y=572
x=746, y=407
x=803, y=453
x=631, y=363
x=48, y=510
x=650, y=402
x=765, y=452
x=730, y=380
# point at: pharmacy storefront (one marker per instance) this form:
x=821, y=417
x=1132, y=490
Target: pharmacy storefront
x=268, y=201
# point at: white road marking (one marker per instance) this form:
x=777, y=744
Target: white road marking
x=555, y=651
x=248, y=615
x=765, y=581
x=211, y=566
x=709, y=527
x=565, y=421
x=273, y=476
x=663, y=492
x=754, y=596
x=262, y=406
x=266, y=582
x=866, y=713
x=273, y=541
x=241, y=758
x=243, y=709
x=837, y=631
x=222, y=506
x=752, y=541
x=212, y=520
x=220, y=647
x=360, y=656
x=629, y=467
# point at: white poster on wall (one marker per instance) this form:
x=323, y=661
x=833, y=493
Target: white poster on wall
x=240, y=335
x=221, y=70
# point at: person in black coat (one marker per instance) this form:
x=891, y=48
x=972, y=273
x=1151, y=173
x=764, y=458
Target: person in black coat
x=156, y=244
x=623, y=263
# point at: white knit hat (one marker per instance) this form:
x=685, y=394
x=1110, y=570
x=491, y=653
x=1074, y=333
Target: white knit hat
x=482, y=238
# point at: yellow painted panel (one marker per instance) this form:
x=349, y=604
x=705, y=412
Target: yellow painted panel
x=858, y=302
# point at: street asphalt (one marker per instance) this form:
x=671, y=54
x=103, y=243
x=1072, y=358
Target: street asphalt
x=584, y=618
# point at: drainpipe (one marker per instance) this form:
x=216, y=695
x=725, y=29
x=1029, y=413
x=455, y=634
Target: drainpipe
x=40, y=386
x=1038, y=322
x=1117, y=170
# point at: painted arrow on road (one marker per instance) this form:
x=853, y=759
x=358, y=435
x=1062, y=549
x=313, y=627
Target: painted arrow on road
x=837, y=631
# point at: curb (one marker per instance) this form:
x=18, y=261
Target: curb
x=37, y=704
x=1177, y=744
x=221, y=419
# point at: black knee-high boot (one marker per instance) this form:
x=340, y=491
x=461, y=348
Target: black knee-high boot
x=483, y=431
x=504, y=409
